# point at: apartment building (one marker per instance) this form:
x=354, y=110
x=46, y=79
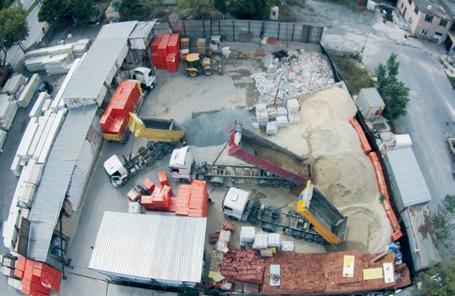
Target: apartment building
x=428, y=19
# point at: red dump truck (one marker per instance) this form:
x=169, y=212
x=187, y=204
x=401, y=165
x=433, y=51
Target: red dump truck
x=260, y=152
x=114, y=122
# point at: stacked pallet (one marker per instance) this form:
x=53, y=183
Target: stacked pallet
x=243, y=265
x=159, y=200
x=201, y=46
x=29, y=91
x=37, y=278
x=8, y=111
x=165, y=52
x=56, y=59
x=192, y=199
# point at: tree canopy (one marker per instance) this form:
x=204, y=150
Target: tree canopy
x=13, y=28
x=196, y=8
x=65, y=12
x=135, y=9
x=250, y=9
x=394, y=92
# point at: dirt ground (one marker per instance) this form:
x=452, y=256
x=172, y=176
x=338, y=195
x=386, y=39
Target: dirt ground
x=343, y=172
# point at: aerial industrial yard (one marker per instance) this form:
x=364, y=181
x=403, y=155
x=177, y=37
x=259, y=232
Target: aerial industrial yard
x=257, y=175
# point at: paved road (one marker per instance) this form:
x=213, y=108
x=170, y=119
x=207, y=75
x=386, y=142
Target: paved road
x=431, y=112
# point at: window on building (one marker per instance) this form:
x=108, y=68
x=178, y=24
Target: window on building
x=410, y=20
x=443, y=23
x=416, y=10
x=429, y=18
x=424, y=32
x=402, y=4
x=410, y=2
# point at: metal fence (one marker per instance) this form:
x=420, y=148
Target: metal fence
x=245, y=30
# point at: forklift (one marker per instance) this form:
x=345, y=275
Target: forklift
x=195, y=66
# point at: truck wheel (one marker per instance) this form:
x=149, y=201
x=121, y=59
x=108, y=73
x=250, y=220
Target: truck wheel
x=159, y=155
x=297, y=234
x=217, y=181
x=268, y=227
x=276, y=183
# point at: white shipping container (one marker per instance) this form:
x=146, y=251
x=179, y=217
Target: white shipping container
x=36, y=109
x=43, y=137
x=29, y=90
x=53, y=132
x=42, y=120
x=27, y=138
x=15, y=167
x=370, y=103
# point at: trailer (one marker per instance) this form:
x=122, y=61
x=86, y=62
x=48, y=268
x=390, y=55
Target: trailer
x=237, y=205
x=260, y=152
x=120, y=172
x=183, y=167
x=159, y=130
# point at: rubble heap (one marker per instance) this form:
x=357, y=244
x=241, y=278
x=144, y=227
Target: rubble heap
x=298, y=73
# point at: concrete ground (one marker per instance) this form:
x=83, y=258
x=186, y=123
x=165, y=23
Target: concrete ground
x=206, y=107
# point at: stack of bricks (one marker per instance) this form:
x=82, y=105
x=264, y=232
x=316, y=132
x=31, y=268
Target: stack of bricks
x=192, y=199
x=37, y=279
x=160, y=198
x=243, y=265
x=322, y=274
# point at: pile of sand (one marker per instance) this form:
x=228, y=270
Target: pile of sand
x=343, y=172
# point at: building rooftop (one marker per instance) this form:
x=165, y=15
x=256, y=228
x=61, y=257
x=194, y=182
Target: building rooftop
x=432, y=7
x=153, y=246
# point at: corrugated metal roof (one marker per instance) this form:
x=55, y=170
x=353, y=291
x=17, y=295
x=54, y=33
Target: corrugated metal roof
x=422, y=242
x=55, y=180
x=408, y=176
x=155, y=246
x=119, y=290
x=142, y=29
x=373, y=96
x=87, y=82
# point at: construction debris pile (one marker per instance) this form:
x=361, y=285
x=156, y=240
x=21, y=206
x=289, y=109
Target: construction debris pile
x=56, y=59
x=289, y=76
x=334, y=273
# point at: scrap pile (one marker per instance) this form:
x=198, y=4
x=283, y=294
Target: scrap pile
x=339, y=272
x=243, y=265
x=34, y=278
x=298, y=73
x=56, y=59
x=165, y=52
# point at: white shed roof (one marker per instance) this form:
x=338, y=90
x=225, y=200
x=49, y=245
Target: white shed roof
x=155, y=246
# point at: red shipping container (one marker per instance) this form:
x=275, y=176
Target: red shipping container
x=162, y=47
x=173, y=45
x=156, y=42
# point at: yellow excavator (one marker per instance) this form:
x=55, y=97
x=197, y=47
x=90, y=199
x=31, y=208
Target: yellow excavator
x=195, y=65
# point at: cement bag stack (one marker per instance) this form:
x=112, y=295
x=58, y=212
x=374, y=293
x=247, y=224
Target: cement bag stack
x=293, y=107
x=271, y=128
x=29, y=91
x=261, y=114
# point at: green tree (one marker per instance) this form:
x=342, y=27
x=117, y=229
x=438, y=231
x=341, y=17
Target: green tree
x=250, y=9
x=198, y=9
x=394, y=92
x=5, y=3
x=64, y=12
x=442, y=221
x=13, y=28
x=220, y=5
x=135, y=9
x=437, y=281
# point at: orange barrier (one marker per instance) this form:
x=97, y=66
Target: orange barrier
x=382, y=186
x=363, y=139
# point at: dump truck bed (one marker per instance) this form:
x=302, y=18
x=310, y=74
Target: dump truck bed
x=256, y=150
x=153, y=129
x=325, y=218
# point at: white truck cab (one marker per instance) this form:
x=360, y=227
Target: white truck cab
x=181, y=163
x=234, y=202
x=116, y=171
x=145, y=75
